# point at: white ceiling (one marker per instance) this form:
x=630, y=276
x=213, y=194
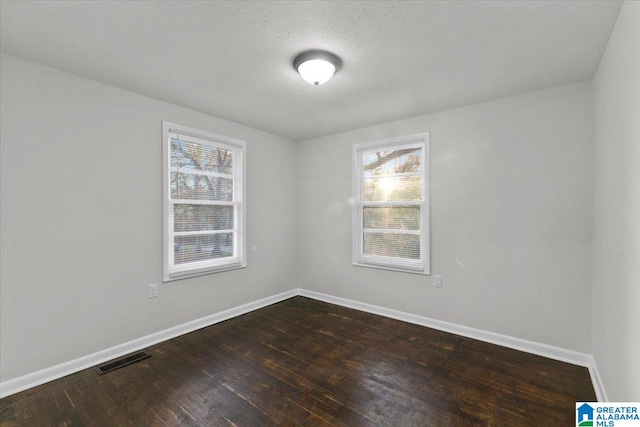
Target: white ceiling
x=233, y=59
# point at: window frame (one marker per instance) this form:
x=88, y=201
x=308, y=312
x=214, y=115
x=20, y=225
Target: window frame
x=238, y=148
x=359, y=259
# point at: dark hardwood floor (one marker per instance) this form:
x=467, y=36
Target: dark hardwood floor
x=305, y=362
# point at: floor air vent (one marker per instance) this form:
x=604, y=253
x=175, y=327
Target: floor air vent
x=123, y=361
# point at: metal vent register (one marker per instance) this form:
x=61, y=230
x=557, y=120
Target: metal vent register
x=123, y=361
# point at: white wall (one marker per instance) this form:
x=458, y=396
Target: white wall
x=511, y=218
x=616, y=218
x=81, y=219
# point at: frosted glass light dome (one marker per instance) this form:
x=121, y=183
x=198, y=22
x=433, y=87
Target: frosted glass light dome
x=316, y=71
x=316, y=66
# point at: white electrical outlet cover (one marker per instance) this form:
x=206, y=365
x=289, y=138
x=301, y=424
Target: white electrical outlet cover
x=153, y=291
x=437, y=281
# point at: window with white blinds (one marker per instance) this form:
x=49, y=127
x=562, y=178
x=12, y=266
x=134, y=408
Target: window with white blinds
x=391, y=209
x=204, y=217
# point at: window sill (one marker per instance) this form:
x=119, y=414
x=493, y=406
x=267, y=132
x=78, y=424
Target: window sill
x=201, y=272
x=392, y=268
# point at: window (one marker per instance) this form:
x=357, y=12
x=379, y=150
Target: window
x=391, y=212
x=203, y=195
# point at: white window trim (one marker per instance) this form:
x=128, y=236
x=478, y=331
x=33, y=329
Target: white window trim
x=422, y=266
x=214, y=140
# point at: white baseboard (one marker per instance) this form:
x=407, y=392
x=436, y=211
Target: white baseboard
x=58, y=371
x=545, y=350
x=596, y=379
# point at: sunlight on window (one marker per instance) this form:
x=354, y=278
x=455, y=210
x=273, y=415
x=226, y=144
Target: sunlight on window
x=391, y=215
x=387, y=185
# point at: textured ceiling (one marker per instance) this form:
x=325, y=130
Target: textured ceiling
x=233, y=59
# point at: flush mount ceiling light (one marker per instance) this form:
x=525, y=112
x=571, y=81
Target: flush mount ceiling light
x=316, y=66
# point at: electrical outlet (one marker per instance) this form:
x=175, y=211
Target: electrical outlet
x=153, y=291
x=437, y=281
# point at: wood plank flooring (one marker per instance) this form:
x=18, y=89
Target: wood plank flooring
x=305, y=362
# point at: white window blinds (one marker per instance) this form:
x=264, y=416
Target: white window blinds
x=204, y=203
x=391, y=215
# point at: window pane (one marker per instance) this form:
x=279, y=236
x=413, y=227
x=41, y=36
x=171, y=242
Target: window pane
x=392, y=188
x=204, y=247
x=403, y=218
x=200, y=187
x=189, y=155
x=392, y=245
x=387, y=162
x=391, y=184
x=202, y=217
x=203, y=202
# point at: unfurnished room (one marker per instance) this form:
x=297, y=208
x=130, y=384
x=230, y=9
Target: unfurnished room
x=320, y=213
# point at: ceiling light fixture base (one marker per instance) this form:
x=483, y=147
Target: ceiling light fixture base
x=316, y=66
